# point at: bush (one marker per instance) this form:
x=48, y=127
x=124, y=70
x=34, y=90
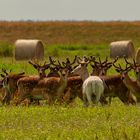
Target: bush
x=6, y=49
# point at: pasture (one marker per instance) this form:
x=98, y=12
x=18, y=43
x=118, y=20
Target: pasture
x=109, y=122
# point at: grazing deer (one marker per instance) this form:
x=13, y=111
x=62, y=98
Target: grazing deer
x=131, y=84
x=92, y=85
x=48, y=88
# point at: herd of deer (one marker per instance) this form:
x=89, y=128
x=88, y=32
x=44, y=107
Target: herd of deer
x=67, y=80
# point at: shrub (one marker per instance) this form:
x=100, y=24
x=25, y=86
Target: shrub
x=6, y=49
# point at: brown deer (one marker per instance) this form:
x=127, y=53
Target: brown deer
x=74, y=87
x=92, y=86
x=130, y=83
x=10, y=85
x=10, y=81
x=100, y=68
x=136, y=68
x=114, y=86
x=40, y=68
x=48, y=88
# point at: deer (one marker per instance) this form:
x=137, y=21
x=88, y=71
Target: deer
x=74, y=87
x=2, y=90
x=92, y=86
x=48, y=88
x=113, y=84
x=136, y=67
x=130, y=83
x=100, y=68
x=40, y=68
x=9, y=83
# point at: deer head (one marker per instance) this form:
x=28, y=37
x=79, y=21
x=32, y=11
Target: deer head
x=40, y=68
x=59, y=69
x=99, y=67
x=10, y=79
x=69, y=64
x=123, y=71
x=82, y=67
x=9, y=83
x=135, y=66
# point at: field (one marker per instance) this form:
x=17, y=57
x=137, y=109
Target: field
x=67, y=122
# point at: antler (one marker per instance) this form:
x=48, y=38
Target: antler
x=4, y=70
x=51, y=61
x=35, y=65
x=117, y=67
x=68, y=63
x=127, y=67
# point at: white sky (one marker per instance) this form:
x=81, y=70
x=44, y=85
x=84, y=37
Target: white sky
x=96, y=10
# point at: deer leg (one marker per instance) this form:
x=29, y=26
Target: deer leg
x=22, y=98
x=48, y=98
x=89, y=98
x=110, y=98
x=86, y=104
x=98, y=95
x=103, y=100
x=6, y=99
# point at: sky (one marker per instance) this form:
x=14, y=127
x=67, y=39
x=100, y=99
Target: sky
x=79, y=10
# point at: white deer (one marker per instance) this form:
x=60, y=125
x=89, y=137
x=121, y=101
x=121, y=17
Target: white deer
x=92, y=87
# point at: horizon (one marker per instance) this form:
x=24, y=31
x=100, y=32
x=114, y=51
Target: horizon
x=29, y=20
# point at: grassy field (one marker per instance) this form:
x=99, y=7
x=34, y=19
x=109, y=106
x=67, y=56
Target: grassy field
x=113, y=122
x=68, y=122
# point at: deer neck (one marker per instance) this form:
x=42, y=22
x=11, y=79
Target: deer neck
x=128, y=81
x=85, y=75
x=63, y=84
x=138, y=77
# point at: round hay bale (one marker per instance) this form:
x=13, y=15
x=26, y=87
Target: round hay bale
x=137, y=57
x=29, y=49
x=121, y=49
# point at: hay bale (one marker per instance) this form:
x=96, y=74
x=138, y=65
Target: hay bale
x=137, y=57
x=28, y=49
x=121, y=48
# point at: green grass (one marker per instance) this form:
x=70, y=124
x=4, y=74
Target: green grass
x=64, y=122
x=62, y=51
x=6, y=49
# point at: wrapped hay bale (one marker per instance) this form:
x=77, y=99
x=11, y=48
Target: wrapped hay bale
x=137, y=57
x=29, y=49
x=122, y=48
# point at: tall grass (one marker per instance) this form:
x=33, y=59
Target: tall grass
x=63, y=123
x=6, y=49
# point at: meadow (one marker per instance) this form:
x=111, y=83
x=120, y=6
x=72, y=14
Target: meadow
x=67, y=39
